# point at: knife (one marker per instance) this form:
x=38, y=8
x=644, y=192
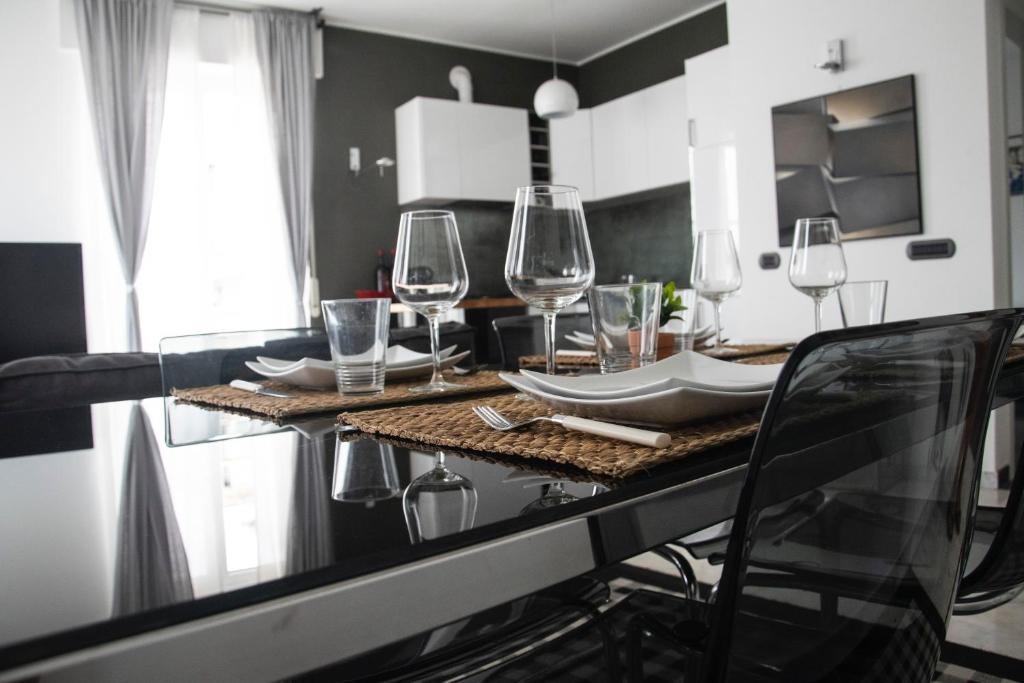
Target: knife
x=257, y=388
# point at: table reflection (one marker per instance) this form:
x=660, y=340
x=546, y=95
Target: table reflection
x=364, y=472
x=438, y=503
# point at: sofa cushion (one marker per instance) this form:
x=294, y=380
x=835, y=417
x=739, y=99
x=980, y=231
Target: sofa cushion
x=78, y=379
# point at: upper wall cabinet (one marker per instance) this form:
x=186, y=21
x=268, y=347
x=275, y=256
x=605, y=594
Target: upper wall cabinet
x=571, y=152
x=634, y=143
x=449, y=151
x=709, y=84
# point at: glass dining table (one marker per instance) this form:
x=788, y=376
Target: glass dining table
x=154, y=540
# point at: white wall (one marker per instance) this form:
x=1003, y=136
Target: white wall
x=943, y=45
x=49, y=186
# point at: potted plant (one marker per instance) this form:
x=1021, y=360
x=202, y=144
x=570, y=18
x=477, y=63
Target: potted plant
x=671, y=307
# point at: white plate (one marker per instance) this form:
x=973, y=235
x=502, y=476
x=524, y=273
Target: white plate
x=311, y=372
x=396, y=356
x=669, y=408
x=685, y=369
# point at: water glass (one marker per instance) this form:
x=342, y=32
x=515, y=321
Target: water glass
x=863, y=302
x=429, y=276
x=686, y=328
x=817, y=266
x=716, y=274
x=364, y=472
x=625, y=319
x=549, y=263
x=357, y=330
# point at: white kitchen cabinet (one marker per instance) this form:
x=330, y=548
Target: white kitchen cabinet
x=620, y=147
x=667, y=139
x=570, y=146
x=449, y=151
x=640, y=140
x=709, y=97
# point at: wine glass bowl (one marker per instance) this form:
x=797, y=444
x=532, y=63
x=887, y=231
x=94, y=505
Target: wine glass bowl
x=715, y=274
x=549, y=263
x=817, y=266
x=429, y=276
x=438, y=503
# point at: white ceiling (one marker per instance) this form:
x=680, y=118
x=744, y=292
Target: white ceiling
x=586, y=28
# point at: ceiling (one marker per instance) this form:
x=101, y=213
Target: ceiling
x=586, y=28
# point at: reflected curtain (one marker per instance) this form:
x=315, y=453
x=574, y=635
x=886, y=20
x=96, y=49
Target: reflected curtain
x=124, y=46
x=284, y=46
x=309, y=524
x=151, y=567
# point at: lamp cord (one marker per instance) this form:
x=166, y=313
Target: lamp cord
x=554, y=46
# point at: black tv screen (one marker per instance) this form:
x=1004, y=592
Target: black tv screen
x=851, y=155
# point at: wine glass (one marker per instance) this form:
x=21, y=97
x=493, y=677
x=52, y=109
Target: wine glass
x=549, y=263
x=429, y=276
x=716, y=274
x=438, y=503
x=817, y=266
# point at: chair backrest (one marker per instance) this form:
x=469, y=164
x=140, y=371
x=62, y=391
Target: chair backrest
x=850, y=534
x=523, y=335
x=207, y=359
x=42, y=300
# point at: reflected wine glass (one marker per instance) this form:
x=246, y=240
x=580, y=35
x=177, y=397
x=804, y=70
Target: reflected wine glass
x=716, y=274
x=549, y=263
x=438, y=503
x=364, y=472
x=551, y=495
x=817, y=266
x=429, y=276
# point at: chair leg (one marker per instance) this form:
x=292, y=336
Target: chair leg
x=683, y=567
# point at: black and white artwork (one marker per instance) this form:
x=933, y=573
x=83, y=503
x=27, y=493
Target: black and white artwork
x=850, y=155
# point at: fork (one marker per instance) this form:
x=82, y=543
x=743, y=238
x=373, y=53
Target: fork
x=492, y=418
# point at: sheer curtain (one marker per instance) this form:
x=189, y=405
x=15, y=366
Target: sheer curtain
x=217, y=257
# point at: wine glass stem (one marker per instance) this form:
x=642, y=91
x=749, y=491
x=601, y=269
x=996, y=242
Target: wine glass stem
x=434, y=323
x=817, y=314
x=549, y=340
x=718, y=325
x=439, y=460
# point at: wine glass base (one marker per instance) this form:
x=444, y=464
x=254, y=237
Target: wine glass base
x=436, y=388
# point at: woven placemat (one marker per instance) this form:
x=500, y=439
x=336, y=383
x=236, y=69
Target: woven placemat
x=310, y=401
x=567, y=360
x=453, y=425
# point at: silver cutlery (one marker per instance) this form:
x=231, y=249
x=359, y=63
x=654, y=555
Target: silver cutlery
x=492, y=418
x=257, y=389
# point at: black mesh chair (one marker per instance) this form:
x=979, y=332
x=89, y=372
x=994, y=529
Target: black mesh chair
x=523, y=335
x=851, y=532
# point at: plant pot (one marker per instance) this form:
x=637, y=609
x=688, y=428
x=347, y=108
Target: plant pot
x=664, y=346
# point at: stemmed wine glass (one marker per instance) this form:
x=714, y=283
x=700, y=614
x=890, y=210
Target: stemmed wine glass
x=817, y=266
x=438, y=503
x=716, y=274
x=549, y=262
x=430, y=277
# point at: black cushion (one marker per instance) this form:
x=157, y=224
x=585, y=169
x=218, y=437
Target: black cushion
x=78, y=379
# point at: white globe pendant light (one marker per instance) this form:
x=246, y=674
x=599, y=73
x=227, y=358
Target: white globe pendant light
x=555, y=98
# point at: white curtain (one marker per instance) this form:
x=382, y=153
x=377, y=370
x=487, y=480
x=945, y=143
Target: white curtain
x=218, y=253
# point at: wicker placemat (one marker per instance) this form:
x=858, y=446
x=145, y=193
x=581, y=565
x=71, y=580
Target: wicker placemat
x=567, y=360
x=1015, y=354
x=454, y=425
x=309, y=401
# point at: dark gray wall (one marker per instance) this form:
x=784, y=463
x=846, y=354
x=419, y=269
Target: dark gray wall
x=656, y=58
x=366, y=76
x=650, y=239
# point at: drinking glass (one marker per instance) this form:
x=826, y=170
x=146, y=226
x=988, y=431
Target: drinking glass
x=716, y=274
x=429, y=276
x=357, y=330
x=817, y=266
x=438, y=503
x=863, y=302
x=549, y=263
x=625, y=319
x=364, y=472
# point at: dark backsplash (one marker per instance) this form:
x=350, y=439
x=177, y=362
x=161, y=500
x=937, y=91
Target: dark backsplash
x=649, y=238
